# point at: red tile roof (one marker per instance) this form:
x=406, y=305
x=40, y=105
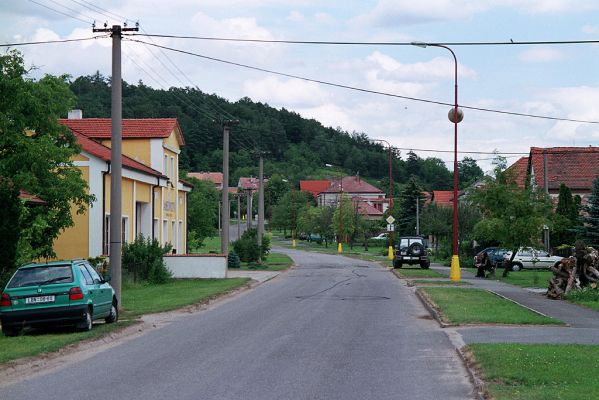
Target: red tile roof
x=99, y=150
x=352, y=184
x=366, y=209
x=29, y=198
x=519, y=171
x=251, y=183
x=576, y=167
x=443, y=198
x=100, y=128
x=214, y=177
x=314, y=186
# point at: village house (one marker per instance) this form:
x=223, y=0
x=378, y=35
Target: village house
x=154, y=199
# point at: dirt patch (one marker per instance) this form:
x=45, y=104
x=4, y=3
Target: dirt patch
x=16, y=370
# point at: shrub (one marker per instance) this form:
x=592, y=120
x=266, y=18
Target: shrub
x=247, y=247
x=233, y=260
x=143, y=260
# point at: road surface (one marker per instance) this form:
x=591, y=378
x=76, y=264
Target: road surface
x=331, y=328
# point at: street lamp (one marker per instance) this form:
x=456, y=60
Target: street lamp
x=455, y=115
x=339, y=234
x=390, y=255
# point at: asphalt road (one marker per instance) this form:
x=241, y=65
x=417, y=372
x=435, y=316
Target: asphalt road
x=331, y=328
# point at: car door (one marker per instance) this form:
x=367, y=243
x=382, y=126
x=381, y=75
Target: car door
x=103, y=292
x=88, y=282
x=544, y=259
x=527, y=258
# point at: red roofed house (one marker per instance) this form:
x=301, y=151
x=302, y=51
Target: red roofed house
x=576, y=167
x=154, y=200
x=355, y=187
x=214, y=177
x=443, y=198
x=314, y=186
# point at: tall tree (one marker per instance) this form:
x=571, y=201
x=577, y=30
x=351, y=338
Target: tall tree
x=202, y=215
x=410, y=196
x=36, y=153
x=468, y=172
x=591, y=220
x=566, y=221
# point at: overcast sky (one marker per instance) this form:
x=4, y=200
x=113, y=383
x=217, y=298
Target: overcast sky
x=557, y=80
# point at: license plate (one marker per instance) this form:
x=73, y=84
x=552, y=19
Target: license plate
x=39, y=299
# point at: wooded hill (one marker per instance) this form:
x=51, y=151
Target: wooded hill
x=297, y=148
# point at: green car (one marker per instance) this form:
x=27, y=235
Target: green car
x=56, y=293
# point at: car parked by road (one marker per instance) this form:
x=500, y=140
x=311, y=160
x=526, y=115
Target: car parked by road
x=411, y=250
x=495, y=255
x=56, y=293
x=528, y=257
x=381, y=236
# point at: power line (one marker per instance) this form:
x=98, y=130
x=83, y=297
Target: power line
x=60, y=12
x=365, y=90
x=347, y=43
x=100, y=10
x=52, y=41
x=77, y=12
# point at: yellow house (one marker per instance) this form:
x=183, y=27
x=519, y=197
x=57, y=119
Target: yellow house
x=154, y=200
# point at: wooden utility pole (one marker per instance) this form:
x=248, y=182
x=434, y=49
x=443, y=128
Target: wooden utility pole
x=224, y=237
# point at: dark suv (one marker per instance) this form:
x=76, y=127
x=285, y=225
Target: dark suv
x=411, y=250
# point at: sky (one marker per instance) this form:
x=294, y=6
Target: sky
x=552, y=80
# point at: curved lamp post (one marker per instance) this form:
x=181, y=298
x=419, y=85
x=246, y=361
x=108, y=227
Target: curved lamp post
x=390, y=255
x=455, y=116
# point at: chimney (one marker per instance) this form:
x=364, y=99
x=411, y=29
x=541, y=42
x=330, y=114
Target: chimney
x=75, y=114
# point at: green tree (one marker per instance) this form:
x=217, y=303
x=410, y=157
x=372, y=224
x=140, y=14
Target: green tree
x=36, y=153
x=344, y=220
x=591, y=219
x=318, y=220
x=10, y=228
x=202, y=214
x=411, y=194
x=286, y=213
x=274, y=189
x=566, y=221
x=437, y=222
x=468, y=172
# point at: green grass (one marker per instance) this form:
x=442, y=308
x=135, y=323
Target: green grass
x=34, y=343
x=526, y=278
x=587, y=297
x=478, y=306
x=141, y=299
x=138, y=299
x=539, y=371
x=417, y=273
x=274, y=262
x=209, y=245
x=439, y=283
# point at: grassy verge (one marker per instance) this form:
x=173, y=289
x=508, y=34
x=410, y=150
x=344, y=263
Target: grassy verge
x=429, y=282
x=587, y=297
x=526, y=278
x=137, y=300
x=417, y=273
x=538, y=371
x=274, y=262
x=210, y=245
x=477, y=306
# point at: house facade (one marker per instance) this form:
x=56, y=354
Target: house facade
x=154, y=200
x=374, y=201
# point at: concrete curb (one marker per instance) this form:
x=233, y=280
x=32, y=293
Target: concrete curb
x=431, y=309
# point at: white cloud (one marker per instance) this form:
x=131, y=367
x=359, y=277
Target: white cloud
x=323, y=18
x=541, y=55
x=590, y=29
x=580, y=103
x=289, y=93
x=435, y=69
x=329, y=115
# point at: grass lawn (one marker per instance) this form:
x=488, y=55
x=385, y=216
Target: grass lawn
x=210, y=244
x=538, y=371
x=417, y=273
x=137, y=300
x=587, y=297
x=274, y=262
x=476, y=306
x=527, y=278
x=439, y=283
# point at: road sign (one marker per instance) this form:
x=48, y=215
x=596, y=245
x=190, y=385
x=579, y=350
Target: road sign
x=390, y=219
x=390, y=227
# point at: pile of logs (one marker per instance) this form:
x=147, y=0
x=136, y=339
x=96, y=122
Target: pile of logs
x=575, y=272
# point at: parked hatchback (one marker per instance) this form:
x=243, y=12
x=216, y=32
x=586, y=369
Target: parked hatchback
x=527, y=257
x=56, y=293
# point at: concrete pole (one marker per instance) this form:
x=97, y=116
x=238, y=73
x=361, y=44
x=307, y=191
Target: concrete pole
x=260, y=203
x=224, y=236
x=248, y=219
x=116, y=165
x=238, y=216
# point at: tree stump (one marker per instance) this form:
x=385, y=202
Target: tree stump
x=575, y=272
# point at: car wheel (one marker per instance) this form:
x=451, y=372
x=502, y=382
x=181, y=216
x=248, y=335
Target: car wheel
x=114, y=313
x=397, y=264
x=10, y=331
x=416, y=249
x=516, y=267
x=86, y=324
x=425, y=264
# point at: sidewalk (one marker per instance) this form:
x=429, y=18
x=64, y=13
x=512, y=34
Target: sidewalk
x=582, y=323
x=260, y=276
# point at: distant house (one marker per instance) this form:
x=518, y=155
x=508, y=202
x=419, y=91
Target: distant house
x=314, y=187
x=576, y=167
x=250, y=184
x=354, y=187
x=443, y=198
x=214, y=177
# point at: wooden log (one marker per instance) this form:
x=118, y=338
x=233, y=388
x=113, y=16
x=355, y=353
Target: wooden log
x=571, y=280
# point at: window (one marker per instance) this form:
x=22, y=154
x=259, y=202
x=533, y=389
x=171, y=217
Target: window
x=125, y=230
x=173, y=174
x=164, y=231
x=173, y=237
x=86, y=275
x=106, y=234
x=165, y=165
x=96, y=278
x=155, y=229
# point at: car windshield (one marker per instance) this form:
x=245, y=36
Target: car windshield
x=43, y=275
x=404, y=243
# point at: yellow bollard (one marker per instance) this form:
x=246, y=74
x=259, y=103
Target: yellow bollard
x=454, y=271
x=339, y=248
x=390, y=256
x=293, y=243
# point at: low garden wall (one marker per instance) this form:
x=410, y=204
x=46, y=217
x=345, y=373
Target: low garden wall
x=197, y=265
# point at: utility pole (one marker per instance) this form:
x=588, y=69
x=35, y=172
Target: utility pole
x=417, y=216
x=224, y=237
x=116, y=159
x=238, y=215
x=260, y=203
x=248, y=208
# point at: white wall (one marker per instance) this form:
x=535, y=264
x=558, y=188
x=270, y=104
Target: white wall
x=197, y=265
